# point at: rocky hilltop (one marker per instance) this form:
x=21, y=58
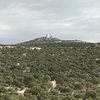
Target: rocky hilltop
x=47, y=39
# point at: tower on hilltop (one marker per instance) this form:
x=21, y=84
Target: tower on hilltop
x=47, y=36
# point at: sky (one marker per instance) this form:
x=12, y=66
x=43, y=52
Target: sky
x=22, y=20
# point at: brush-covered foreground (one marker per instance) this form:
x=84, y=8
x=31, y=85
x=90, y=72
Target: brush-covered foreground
x=52, y=71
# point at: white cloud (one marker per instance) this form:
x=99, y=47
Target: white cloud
x=27, y=19
x=4, y=26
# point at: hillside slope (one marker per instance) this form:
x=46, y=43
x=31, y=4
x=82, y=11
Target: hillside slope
x=47, y=39
x=56, y=71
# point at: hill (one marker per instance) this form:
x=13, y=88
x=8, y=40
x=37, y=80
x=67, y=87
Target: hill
x=50, y=71
x=41, y=40
x=47, y=39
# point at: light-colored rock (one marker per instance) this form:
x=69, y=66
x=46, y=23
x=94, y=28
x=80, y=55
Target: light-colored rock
x=53, y=83
x=24, y=54
x=21, y=92
x=18, y=64
x=97, y=59
x=8, y=46
x=1, y=47
x=32, y=48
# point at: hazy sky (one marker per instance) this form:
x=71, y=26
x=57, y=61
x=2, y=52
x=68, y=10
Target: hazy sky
x=66, y=19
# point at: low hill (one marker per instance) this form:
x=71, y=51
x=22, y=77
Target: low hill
x=50, y=71
x=47, y=39
x=42, y=40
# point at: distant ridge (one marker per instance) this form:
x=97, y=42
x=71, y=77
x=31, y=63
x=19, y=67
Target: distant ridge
x=48, y=39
